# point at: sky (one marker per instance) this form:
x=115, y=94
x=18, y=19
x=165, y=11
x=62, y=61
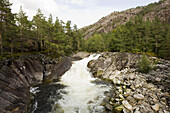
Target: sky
x=79, y=12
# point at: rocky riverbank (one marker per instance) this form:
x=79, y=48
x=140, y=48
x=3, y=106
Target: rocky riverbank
x=18, y=74
x=133, y=92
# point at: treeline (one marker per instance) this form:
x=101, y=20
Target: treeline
x=137, y=35
x=20, y=35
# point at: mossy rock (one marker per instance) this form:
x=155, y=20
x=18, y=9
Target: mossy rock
x=99, y=72
x=118, y=109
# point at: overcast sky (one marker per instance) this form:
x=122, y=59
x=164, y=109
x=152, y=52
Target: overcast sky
x=79, y=12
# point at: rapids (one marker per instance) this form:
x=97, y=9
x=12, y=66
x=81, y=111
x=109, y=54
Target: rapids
x=80, y=95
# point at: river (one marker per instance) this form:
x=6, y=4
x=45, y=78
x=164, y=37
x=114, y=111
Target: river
x=75, y=92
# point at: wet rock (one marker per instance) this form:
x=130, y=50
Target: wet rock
x=127, y=105
x=155, y=107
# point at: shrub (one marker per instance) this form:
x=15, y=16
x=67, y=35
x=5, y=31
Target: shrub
x=144, y=64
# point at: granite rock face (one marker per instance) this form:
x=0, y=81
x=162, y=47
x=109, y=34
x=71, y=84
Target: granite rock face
x=17, y=75
x=115, y=19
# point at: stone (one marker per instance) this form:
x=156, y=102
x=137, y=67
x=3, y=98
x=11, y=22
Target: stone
x=80, y=55
x=127, y=105
x=119, y=108
x=155, y=107
x=132, y=76
x=137, y=112
x=121, y=96
x=158, y=79
x=155, y=100
x=138, y=96
x=109, y=107
x=148, y=86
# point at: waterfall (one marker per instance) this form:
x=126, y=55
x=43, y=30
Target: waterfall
x=82, y=96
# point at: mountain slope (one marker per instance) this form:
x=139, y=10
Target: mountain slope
x=108, y=23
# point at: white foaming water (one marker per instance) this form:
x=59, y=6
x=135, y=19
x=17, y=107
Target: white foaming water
x=82, y=95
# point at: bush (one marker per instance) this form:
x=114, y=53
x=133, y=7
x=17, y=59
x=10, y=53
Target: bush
x=144, y=64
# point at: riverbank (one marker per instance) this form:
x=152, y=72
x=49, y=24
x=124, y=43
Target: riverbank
x=18, y=74
x=133, y=92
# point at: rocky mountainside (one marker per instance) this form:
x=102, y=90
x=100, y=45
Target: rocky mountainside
x=108, y=23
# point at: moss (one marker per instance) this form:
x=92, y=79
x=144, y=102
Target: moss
x=118, y=109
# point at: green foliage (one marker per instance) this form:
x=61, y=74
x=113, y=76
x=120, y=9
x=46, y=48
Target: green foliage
x=95, y=43
x=144, y=64
x=19, y=35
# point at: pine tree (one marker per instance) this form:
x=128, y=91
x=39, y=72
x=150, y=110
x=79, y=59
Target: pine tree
x=6, y=22
x=38, y=21
x=23, y=24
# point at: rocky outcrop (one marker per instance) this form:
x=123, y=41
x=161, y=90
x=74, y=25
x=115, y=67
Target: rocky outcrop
x=113, y=20
x=79, y=55
x=110, y=22
x=17, y=75
x=59, y=69
x=109, y=62
x=133, y=92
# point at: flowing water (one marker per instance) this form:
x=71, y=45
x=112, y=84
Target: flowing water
x=74, y=93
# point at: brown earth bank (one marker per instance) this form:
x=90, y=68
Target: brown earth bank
x=132, y=91
x=17, y=75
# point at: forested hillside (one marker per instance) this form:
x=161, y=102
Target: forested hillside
x=141, y=29
x=148, y=30
x=20, y=35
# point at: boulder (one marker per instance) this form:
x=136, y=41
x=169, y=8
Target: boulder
x=155, y=107
x=127, y=105
x=138, y=96
x=79, y=56
x=59, y=69
x=110, y=62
